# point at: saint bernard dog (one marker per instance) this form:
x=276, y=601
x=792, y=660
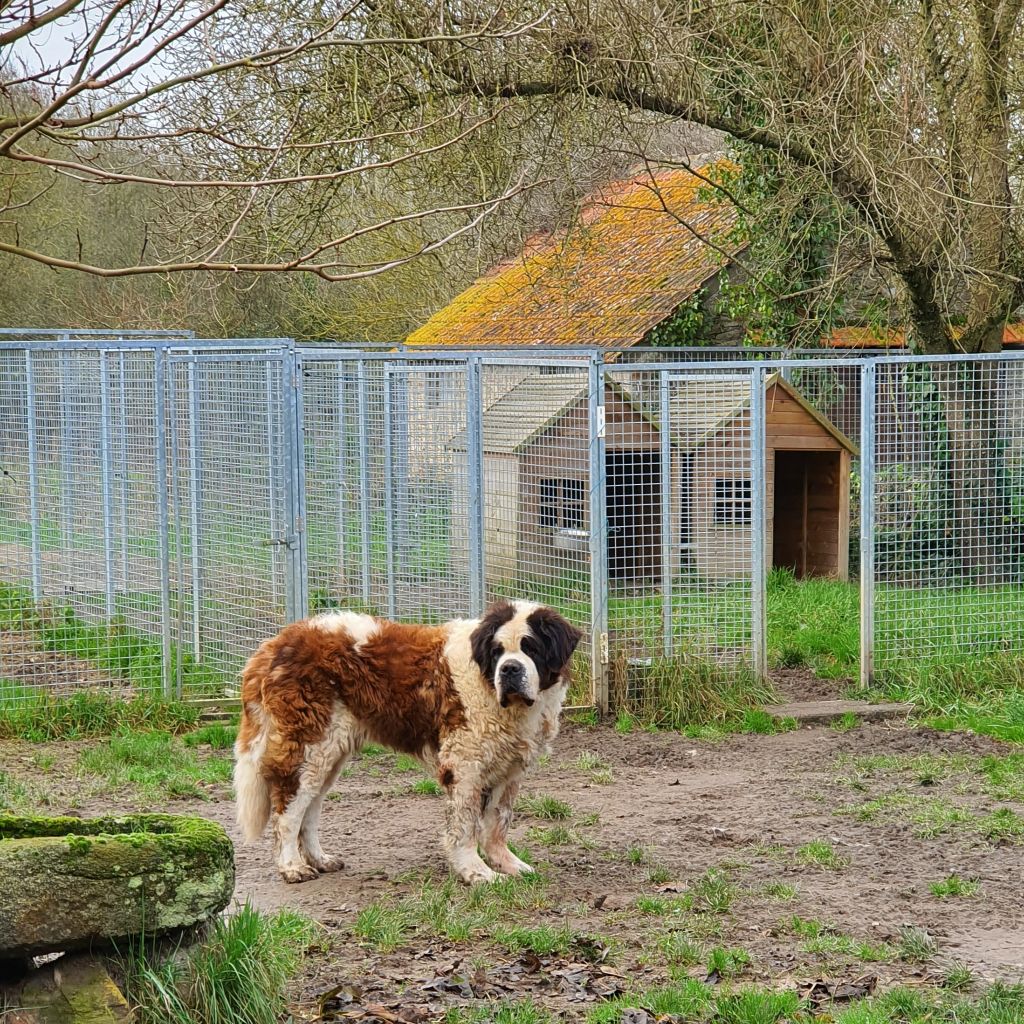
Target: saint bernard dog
x=477, y=700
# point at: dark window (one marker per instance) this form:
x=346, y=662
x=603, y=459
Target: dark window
x=549, y=503
x=561, y=503
x=732, y=502
x=572, y=504
x=434, y=386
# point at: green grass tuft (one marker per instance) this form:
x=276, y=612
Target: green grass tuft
x=820, y=854
x=218, y=735
x=236, y=975
x=548, y=808
x=157, y=765
x=953, y=885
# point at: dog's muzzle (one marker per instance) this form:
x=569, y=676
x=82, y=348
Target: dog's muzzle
x=512, y=684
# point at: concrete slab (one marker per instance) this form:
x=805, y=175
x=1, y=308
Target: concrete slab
x=821, y=712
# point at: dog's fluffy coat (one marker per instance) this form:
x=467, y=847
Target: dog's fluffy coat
x=477, y=700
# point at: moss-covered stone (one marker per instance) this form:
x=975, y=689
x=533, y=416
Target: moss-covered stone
x=66, y=883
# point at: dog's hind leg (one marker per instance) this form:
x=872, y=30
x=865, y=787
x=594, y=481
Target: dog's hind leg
x=287, y=824
x=309, y=834
x=497, y=821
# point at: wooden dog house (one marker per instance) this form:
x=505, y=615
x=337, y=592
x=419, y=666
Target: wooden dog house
x=535, y=454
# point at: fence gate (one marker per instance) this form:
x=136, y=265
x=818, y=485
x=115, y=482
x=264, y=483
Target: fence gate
x=231, y=511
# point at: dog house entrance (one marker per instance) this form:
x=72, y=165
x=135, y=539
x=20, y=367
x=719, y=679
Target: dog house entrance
x=633, y=502
x=806, y=534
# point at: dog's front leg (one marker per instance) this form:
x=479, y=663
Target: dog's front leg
x=497, y=821
x=462, y=830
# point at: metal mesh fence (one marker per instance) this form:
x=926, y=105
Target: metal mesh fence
x=145, y=502
x=946, y=521
x=167, y=503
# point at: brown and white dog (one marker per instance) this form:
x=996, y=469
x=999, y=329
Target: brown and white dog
x=476, y=699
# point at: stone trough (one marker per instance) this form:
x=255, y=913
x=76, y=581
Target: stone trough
x=73, y=883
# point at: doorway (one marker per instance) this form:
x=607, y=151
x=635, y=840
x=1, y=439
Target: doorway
x=808, y=535
x=633, y=507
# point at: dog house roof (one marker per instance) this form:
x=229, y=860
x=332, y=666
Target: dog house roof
x=700, y=405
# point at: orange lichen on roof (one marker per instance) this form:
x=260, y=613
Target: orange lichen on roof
x=874, y=337
x=639, y=250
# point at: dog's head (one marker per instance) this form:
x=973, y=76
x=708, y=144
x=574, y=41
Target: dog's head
x=522, y=649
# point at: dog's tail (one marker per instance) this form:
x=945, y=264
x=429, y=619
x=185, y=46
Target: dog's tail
x=252, y=794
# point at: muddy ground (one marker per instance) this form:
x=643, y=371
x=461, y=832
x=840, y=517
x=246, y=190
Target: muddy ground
x=648, y=821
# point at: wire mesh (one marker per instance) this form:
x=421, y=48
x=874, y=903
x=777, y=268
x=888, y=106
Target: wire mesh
x=144, y=495
x=948, y=486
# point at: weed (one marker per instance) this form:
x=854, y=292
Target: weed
x=218, y=735
x=780, y=891
x=637, y=855
x=658, y=874
x=541, y=940
x=916, y=945
x=14, y=795
x=954, y=886
x=426, y=787
x=155, y=763
x=753, y=1007
x=526, y=1011
x=846, y=722
x=625, y=723
x=712, y=893
x=1000, y=825
x=556, y=835
x=594, y=766
x=237, y=975
x=958, y=978
x=727, y=963
x=820, y=854
x=680, y=949
x=36, y=715
x=407, y=763
x=384, y=928
x=825, y=940
x=546, y=807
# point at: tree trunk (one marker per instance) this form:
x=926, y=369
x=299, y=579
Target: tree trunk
x=976, y=501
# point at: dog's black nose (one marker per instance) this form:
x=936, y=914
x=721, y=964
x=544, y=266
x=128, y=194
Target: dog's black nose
x=510, y=670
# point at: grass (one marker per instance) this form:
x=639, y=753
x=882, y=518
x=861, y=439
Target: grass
x=780, y=891
x=542, y=940
x=820, y=854
x=30, y=713
x=548, y=808
x=218, y=735
x=692, y=1000
x=426, y=787
x=114, y=648
x=236, y=975
x=14, y=795
x=157, y=765
x=727, y=963
x=825, y=940
x=594, y=766
x=452, y=911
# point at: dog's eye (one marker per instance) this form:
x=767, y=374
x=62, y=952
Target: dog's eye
x=529, y=647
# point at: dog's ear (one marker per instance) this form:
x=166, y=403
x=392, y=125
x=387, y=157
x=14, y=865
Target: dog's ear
x=557, y=640
x=481, y=640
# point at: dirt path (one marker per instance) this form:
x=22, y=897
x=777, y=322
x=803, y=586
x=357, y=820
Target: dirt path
x=670, y=809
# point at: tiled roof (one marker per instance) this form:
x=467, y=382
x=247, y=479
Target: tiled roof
x=877, y=337
x=640, y=249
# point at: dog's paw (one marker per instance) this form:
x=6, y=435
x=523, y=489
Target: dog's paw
x=329, y=862
x=298, y=873
x=509, y=864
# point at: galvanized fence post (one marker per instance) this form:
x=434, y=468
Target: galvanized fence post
x=122, y=459
x=33, y=477
x=301, y=553
x=758, y=523
x=107, y=486
x=163, y=516
x=176, y=518
x=365, y=533
x=296, y=595
x=67, y=463
x=868, y=383
x=667, y=546
x=195, y=482
x=274, y=498
x=341, y=471
x=389, y=492
x=475, y=486
x=599, y=655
